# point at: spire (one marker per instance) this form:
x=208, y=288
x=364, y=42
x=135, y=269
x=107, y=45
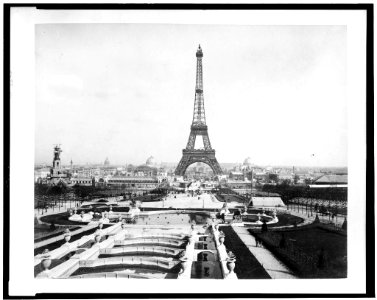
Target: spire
x=199, y=52
x=199, y=117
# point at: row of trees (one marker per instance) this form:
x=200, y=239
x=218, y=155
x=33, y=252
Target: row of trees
x=79, y=191
x=288, y=192
x=45, y=190
x=274, y=178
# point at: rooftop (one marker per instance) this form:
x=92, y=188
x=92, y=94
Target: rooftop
x=332, y=178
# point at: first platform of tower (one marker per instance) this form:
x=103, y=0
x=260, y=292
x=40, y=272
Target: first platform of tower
x=199, y=52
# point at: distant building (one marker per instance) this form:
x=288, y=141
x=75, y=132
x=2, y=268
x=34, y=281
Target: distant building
x=331, y=180
x=266, y=202
x=145, y=171
x=221, y=178
x=238, y=184
x=247, y=162
x=260, y=176
x=57, y=181
x=56, y=170
x=102, y=181
x=84, y=181
x=149, y=169
x=41, y=174
x=89, y=172
x=247, y=165
x=143, y=183
x=151, y=162
x=233, y=175
x=285, y=176
x=106, y=163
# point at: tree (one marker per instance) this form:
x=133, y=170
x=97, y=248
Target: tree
x=83, y=191
x=307, y=181
x=344, y=226
x=286, y=182
x=273, y=177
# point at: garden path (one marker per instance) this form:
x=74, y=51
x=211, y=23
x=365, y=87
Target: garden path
x=274, y=267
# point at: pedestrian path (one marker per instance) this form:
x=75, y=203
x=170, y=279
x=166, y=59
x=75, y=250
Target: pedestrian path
x=274, y=267
x=338, y=221
x=206, y=200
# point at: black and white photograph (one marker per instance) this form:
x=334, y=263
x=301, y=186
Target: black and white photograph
x=195, y=145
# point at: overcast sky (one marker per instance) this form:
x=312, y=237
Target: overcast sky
x=124, y=91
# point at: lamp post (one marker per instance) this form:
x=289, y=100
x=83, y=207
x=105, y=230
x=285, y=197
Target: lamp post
x=336, y=214
x=251, y=187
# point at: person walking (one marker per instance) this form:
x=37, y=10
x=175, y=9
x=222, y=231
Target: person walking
x=282, y=243
x=264, y=226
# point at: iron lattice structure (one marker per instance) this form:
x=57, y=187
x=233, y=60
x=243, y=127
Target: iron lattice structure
x=198, y=127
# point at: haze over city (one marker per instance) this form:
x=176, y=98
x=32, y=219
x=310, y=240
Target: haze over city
x=126, y=91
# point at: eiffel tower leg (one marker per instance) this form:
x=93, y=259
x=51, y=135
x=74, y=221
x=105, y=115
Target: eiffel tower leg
x=216, y=167
x=212, y=162
x=182, y=166
x=206, y=142
x=203, y=156
x=191, y=141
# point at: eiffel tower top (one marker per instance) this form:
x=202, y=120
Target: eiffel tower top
x=199, y=117
x=199, y=52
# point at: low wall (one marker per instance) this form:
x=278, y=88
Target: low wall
x=61, y=236
x=143, y=249
x=65, y=269
x=69, y=247
x=222, y=256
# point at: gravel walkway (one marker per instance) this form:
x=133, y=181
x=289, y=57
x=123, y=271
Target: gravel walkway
x=185, y=201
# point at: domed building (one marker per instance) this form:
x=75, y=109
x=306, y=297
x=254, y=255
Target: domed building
x=145, y=171
x=151, y=162
x=247, y=162
x=149, y=169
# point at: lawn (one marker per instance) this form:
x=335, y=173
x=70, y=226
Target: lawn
x=60, y=218
x=149, y=198
x=312, y=251
x=230, y=198
x=286, y=219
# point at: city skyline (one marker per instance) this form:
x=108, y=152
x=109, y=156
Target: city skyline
x=170, y=164
x=270, y=92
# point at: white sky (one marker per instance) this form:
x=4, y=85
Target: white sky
x=274, y=93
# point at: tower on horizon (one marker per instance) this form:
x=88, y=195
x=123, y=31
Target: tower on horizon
x=198, y=127
x=56, y=163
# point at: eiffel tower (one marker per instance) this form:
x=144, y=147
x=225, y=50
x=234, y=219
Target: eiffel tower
x=198, y=127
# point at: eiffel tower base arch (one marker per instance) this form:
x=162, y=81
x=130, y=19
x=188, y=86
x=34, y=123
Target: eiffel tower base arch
x=193, y=156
